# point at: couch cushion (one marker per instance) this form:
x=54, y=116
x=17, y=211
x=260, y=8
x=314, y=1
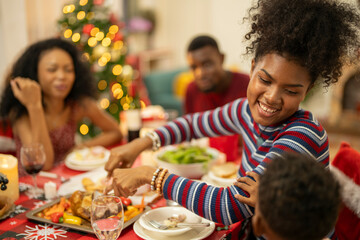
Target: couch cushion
x=160, y=86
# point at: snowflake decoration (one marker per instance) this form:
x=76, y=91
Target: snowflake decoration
x=18, y=209
x=36, y=194
x=42, y=232
x=40, y=203
x=24, y=186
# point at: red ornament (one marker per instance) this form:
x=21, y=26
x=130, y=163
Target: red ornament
x=87, y=28
x=98, y=2
x=118, y=37
x=132, y=89
x=115, y=21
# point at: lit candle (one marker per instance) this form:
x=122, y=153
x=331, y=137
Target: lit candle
x=9, y=167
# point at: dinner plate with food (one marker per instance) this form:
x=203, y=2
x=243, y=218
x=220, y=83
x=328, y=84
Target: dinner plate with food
x=174, y=223
x=86, y=159
x=74, y=211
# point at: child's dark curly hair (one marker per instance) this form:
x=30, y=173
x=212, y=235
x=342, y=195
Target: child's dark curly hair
x=298, y=197
x=320, y=35
x=27, y=67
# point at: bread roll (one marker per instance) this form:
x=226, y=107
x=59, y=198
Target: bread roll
x=226, y=170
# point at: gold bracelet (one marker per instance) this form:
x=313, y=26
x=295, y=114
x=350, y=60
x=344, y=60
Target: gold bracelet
x=153, y=179
x=160, y=180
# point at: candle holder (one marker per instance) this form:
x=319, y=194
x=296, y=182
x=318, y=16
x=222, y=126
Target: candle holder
x=9, y=178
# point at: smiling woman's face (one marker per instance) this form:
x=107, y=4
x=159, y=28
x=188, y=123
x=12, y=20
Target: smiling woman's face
x=276, y=88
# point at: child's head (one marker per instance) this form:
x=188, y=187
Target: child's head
x=312, y=37
x=298, y=199
x=30, y=65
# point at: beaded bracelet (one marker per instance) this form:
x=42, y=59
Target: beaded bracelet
x=153, y=179
x=156, y=144
x=160, y=180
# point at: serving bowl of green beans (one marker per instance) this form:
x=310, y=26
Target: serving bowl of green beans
x=187, y=160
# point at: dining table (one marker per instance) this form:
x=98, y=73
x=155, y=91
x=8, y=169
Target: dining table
x=18, y=226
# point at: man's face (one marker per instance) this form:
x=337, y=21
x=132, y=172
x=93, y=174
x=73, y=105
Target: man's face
x=206, y=65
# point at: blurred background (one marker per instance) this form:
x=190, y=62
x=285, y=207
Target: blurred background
x=155, y=34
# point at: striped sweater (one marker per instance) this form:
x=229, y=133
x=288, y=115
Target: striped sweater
x=300, y=133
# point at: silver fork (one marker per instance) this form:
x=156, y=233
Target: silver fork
x=164, y=227
x=157, y=225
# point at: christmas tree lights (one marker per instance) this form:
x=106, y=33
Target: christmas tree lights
x=97, y=32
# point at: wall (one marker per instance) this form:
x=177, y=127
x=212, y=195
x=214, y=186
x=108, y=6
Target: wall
x=13, y=34
x=180, y=20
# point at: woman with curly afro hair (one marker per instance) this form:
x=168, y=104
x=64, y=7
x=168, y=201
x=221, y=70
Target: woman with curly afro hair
x=295, y=44
x=48, y=91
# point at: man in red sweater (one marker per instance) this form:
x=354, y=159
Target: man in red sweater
x=213, y=86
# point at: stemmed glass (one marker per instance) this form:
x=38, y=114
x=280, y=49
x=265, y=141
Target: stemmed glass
x=107, y=217
x=32, y=157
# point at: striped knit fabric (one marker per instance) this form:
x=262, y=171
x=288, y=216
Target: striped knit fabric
x=300, y=133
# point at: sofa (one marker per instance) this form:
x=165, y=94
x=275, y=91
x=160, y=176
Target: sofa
x=161, y=89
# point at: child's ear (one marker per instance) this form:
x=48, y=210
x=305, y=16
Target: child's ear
x=258, y=224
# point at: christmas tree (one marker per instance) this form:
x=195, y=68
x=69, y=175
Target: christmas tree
x=97, y=32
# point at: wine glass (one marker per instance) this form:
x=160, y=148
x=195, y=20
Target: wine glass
x=32, y=157
x=107, y=217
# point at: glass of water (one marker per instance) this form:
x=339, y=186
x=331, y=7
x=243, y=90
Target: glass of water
x=107, y=217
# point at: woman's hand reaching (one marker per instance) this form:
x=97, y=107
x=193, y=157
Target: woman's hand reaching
x=249, y=185
x=125, y=155
x=27, y=91
x=127, y=181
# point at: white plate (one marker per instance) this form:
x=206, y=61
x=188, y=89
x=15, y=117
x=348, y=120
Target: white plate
x=209, y=181
x=75, y=183
x=193, y=234
x=163, y=213
x=93, y=156
x=82, y=168
x=221, y=181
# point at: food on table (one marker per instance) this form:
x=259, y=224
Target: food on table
x=90, y=186
x=81, y=204
x=5, y=205
x=174, y=220
x=76, y=210
x=186, y=155
x=92, y=153
x=56, y=211
x=225, y=170
x=71, y=219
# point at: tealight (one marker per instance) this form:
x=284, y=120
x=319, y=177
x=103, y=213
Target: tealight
x=50, y=190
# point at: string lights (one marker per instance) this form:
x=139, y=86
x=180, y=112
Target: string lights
x=99, y=35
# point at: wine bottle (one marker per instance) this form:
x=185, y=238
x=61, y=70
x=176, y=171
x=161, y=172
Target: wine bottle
x=134, y=123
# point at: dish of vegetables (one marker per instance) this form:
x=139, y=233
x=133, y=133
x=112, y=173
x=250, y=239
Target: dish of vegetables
x=186, y=155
